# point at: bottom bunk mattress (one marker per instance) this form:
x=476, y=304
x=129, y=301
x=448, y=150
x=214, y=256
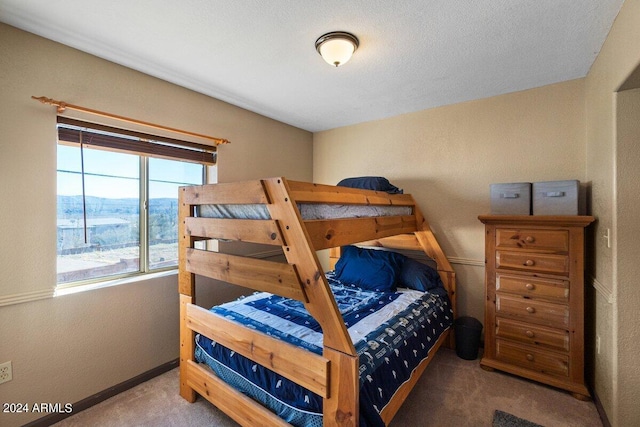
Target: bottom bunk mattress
x=392, y=333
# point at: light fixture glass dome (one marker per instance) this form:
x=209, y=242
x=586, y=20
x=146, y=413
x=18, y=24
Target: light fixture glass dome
x=337, y=47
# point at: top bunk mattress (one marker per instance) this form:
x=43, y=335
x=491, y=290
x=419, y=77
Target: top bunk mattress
x=308, y=211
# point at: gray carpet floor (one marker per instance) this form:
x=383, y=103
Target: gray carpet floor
x=452, y=392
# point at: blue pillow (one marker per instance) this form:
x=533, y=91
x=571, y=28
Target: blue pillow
x=419, y=276
x=370, y=269
x=376, y=183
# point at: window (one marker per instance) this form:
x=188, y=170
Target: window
x=117, y=212
x=165, y=176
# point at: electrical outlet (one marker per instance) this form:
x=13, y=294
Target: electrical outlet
x=5, y=372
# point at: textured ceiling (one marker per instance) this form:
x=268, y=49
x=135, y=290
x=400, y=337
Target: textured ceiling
x=260, y=55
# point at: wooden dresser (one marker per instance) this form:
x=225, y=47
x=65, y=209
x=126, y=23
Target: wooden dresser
x=534, y=289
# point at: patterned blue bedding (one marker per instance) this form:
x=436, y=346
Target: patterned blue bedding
x=392, y=333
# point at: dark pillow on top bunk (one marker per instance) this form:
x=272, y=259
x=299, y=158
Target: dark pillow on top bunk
x=370, y=269
x=377, y=183
x=419, y=276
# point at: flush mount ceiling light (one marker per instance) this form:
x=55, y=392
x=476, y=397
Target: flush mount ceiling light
x=337, y=47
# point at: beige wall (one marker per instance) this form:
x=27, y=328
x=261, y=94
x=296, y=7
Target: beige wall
x=447, y=157
x=67, y=348
x=612, y=147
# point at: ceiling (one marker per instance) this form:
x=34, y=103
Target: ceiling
x=260, y=54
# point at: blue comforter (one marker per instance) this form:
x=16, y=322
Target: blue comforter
x=392, y=332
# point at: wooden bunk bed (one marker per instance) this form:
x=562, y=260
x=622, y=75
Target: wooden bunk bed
x=334, y=374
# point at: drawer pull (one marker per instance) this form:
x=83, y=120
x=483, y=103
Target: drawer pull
x=530, y=334
x=529, y=263
x=529, y=239
x=554, y=194
x=531, y=310
x=509, y=195
x=530, y=286
x=529, y=357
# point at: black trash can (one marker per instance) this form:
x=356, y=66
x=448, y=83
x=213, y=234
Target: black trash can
x=467, y=330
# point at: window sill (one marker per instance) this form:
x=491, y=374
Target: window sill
x=109, y=283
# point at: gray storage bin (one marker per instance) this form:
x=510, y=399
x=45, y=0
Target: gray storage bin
x=558, y=198
x=513, y=198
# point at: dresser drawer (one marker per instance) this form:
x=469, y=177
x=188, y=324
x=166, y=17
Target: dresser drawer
x=533, y=311
x=548, y=289
x=544, y=263
x=512, y=330
x=543, y=240
x=542, y=361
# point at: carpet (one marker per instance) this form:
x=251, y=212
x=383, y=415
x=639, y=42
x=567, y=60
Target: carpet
x=503, y=419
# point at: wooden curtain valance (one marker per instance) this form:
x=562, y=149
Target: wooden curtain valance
x=62, y=106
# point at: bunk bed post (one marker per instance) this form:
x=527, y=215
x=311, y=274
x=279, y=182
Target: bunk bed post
x=342, y=408
x=186, y=285
x=334, y=256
